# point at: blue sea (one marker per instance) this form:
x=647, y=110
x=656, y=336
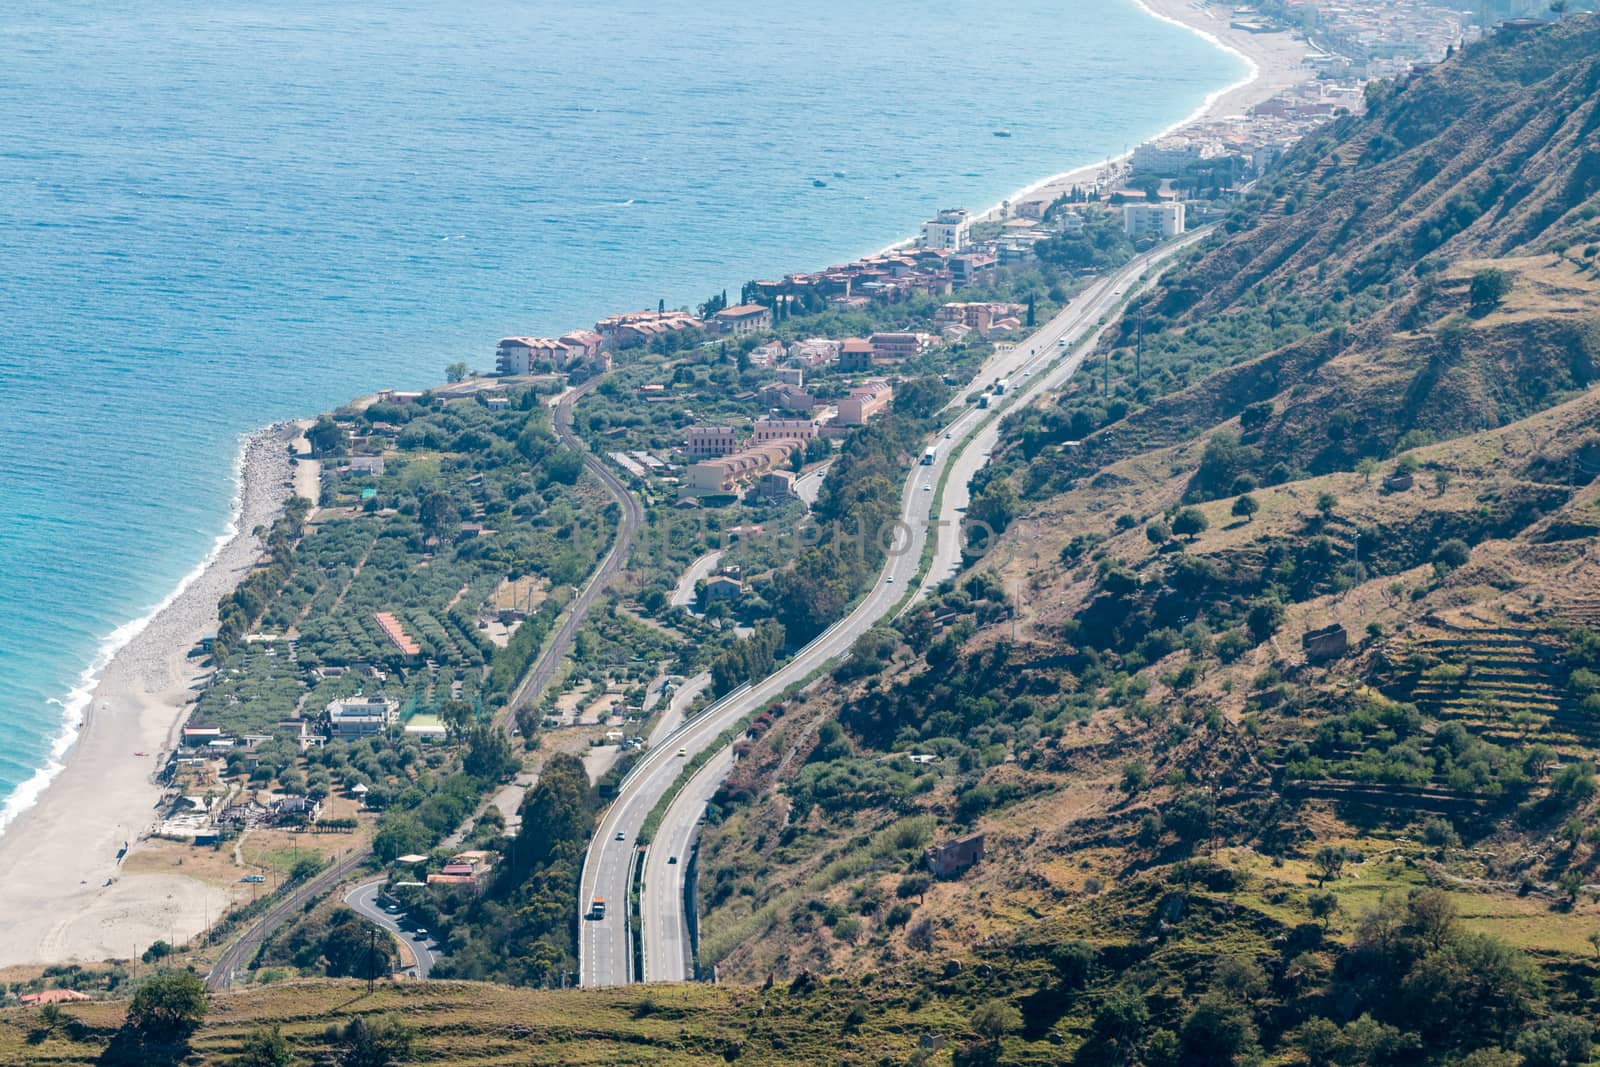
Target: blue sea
x=214, y=216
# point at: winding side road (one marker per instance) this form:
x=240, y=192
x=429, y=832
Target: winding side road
x=529, y=689
x=284, y=911
x=363, y=900
x=544, y=670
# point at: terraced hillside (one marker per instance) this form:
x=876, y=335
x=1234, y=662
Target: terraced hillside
x=1293, y=623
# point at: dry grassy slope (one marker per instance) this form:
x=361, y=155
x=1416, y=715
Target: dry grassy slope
x=1509, y=124
x=1513, y=128
x=1446, y=373
x=484, y=1025
x=1076, y=829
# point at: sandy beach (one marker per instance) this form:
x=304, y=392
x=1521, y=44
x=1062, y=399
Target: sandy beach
x=63, y=895
x=1277, y=61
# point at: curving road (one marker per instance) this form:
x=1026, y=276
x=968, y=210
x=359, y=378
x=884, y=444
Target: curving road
x=683, y=595
x=1031, y=371
x=535, y=682
x=291, y=907
x=530, y=688
x=672, y=715
x=1034, y=366
x=363, y=900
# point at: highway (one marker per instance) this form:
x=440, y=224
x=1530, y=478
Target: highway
x=1032, y=367
x=363, y=899
x=668, y=953
x=1073, y=325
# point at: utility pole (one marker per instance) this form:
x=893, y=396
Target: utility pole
x=372, y=957
x=1138, y=355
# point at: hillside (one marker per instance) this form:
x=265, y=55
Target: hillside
x=1277, y=695
x=466, y=1023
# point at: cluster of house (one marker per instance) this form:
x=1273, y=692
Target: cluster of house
x=529, y=355
x=865, y=353
x=722, y=461
x=532, y=355
x=200, y=819
x=464, y=868
x=1382, y=38
x=1242, y=147
x=346, y=719
x=957, y=319
x=203, y=818
x=928, y=269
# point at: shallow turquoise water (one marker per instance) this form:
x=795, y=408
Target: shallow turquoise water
x=213, y=219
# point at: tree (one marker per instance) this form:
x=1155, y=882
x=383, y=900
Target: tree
x=1489, y=287
x=305, y=867
x=1118, y=1028
x=51, y=1019
x=1074, y=963
x=1329, y=862
x=564, y=465
x=1471, y=991
x=456, y=372
x=913, y=885
x=1217, y=1032
x=171, y=1004
x=1323, y=906
x=1134, y=776
x=264, y=1048
x=1189, y=815
x=995, y=1019
x=385, y=1042
x=1255, y=416
x=1245, y=508
x=356, y=949
x=1190, y=523
x=326, y=437
x=527, y=722
x=438, y=513
x=1559, y=1041
x=1265, y=616
x=1158, y=533
x=1451, y=554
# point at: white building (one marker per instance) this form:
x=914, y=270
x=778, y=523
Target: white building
x=361, y=716
x=1173, y=155
x=946, y=230
x=1165, y=220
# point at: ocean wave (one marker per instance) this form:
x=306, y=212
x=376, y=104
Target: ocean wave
x=75, y=705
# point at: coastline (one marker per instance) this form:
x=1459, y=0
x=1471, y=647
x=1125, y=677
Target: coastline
x=65, y=898
x=1274, y=61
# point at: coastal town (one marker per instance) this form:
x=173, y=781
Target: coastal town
x=487, y=661
x=942, y=302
